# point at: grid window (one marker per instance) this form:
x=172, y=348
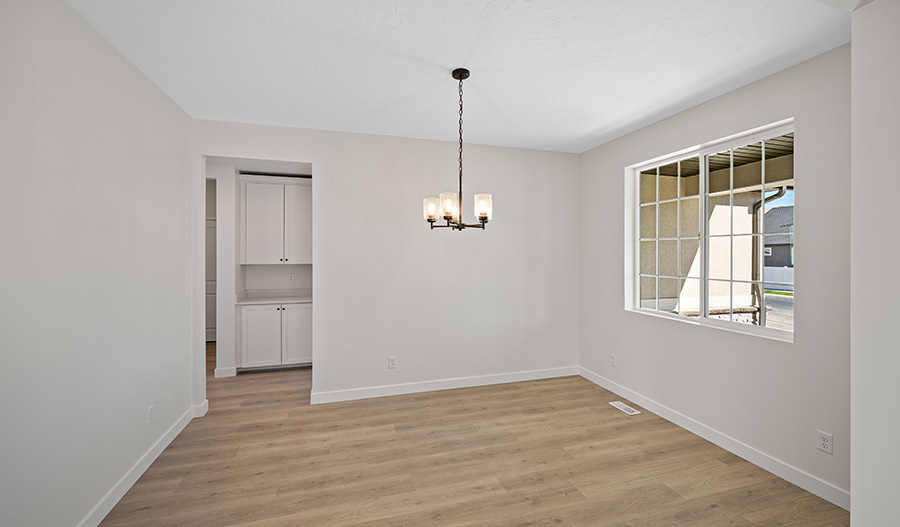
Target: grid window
x=670, y=235
x=716, y=232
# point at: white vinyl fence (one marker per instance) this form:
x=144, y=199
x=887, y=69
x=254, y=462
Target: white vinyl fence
x=781, y=276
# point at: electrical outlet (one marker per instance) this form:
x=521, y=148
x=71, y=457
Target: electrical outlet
x=290, y=277
x=612, y=359
x=825, y=442
x=150, y=414
x=392, y=362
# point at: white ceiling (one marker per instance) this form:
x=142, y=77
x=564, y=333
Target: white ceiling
x=546, y=74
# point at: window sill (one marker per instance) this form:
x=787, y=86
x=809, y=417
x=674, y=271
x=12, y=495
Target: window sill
x=733, y=327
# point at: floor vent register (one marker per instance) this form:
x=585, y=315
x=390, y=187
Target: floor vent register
x=624, y=407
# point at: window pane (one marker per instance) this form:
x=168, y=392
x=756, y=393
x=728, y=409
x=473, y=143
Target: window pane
x=745, y=211
x=648, y=292
x=779, y=267
x=748, y=165
x=648, y=186
x=668, y=181
x=690, y=177
x=689, y=299
x=648, y=257
x=690, y=258
x=719, y=172
x=719, y=215
x=719, y=300
x=690, y=217
x=779, y=211
x=720, y=258
x=779, y=215
x=668, y=257
x=668, y=294
x=745, y=258
x=668, y=219
x=780, y=158
x=780, y=305
x=648, y=221
x=745, y=303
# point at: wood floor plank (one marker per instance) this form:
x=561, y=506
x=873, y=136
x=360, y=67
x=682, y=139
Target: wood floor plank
x=538, y=453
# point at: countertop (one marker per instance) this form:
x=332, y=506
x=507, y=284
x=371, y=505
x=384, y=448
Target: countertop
x=274, y=297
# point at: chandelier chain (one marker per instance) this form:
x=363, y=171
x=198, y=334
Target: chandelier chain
x=460, y=128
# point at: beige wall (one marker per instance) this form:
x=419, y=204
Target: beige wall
x=875, y=187
x=97, y=307
x=759, y=397
x=456, y=308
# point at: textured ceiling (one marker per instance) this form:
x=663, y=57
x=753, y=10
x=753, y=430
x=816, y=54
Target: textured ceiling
x=546, y=74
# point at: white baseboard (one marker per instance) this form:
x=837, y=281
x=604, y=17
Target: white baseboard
x=225, y=372
x=201, y=409
x=442, y=384
x=804, y=480
x=128, y=480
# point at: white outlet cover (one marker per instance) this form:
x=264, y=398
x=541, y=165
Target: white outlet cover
x=825, y=442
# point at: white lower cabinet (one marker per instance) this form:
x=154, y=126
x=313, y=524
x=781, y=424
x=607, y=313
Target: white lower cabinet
x=276, y=334
x=296, y=333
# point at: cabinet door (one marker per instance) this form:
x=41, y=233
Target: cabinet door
x=298, y=224
x=263, y=224
x=260, y=336
x=296, y=334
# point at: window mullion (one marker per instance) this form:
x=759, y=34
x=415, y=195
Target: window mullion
x=704, y=239
x=731, y=234
x=657, y=238
x=761, y=227
x=678, y=286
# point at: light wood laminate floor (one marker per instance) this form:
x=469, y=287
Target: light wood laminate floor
x=538, y=453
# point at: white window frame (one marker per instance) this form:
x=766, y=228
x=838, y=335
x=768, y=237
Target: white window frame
x=633, y=237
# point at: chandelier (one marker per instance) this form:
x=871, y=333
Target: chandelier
x=449, y=205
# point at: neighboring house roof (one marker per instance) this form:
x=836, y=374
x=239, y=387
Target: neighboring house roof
x=778, y=220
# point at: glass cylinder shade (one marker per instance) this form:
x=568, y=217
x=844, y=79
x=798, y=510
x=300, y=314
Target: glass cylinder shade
x=448, y=205
x=484, y=207
x=430, y=208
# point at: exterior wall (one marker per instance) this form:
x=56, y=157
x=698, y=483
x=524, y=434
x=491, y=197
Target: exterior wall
x=781, y=256
x=759, y=397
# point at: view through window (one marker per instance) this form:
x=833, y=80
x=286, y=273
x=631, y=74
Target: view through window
x=716, y=234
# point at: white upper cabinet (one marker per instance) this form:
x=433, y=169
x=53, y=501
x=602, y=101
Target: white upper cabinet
x=298, y=224
x=263, y=223
x=277, y=223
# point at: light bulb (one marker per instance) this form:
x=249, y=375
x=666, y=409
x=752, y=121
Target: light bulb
x=484, y=207
x=448, y=205
x=430, y=208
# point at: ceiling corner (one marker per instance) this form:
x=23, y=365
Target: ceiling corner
x=845, y=5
